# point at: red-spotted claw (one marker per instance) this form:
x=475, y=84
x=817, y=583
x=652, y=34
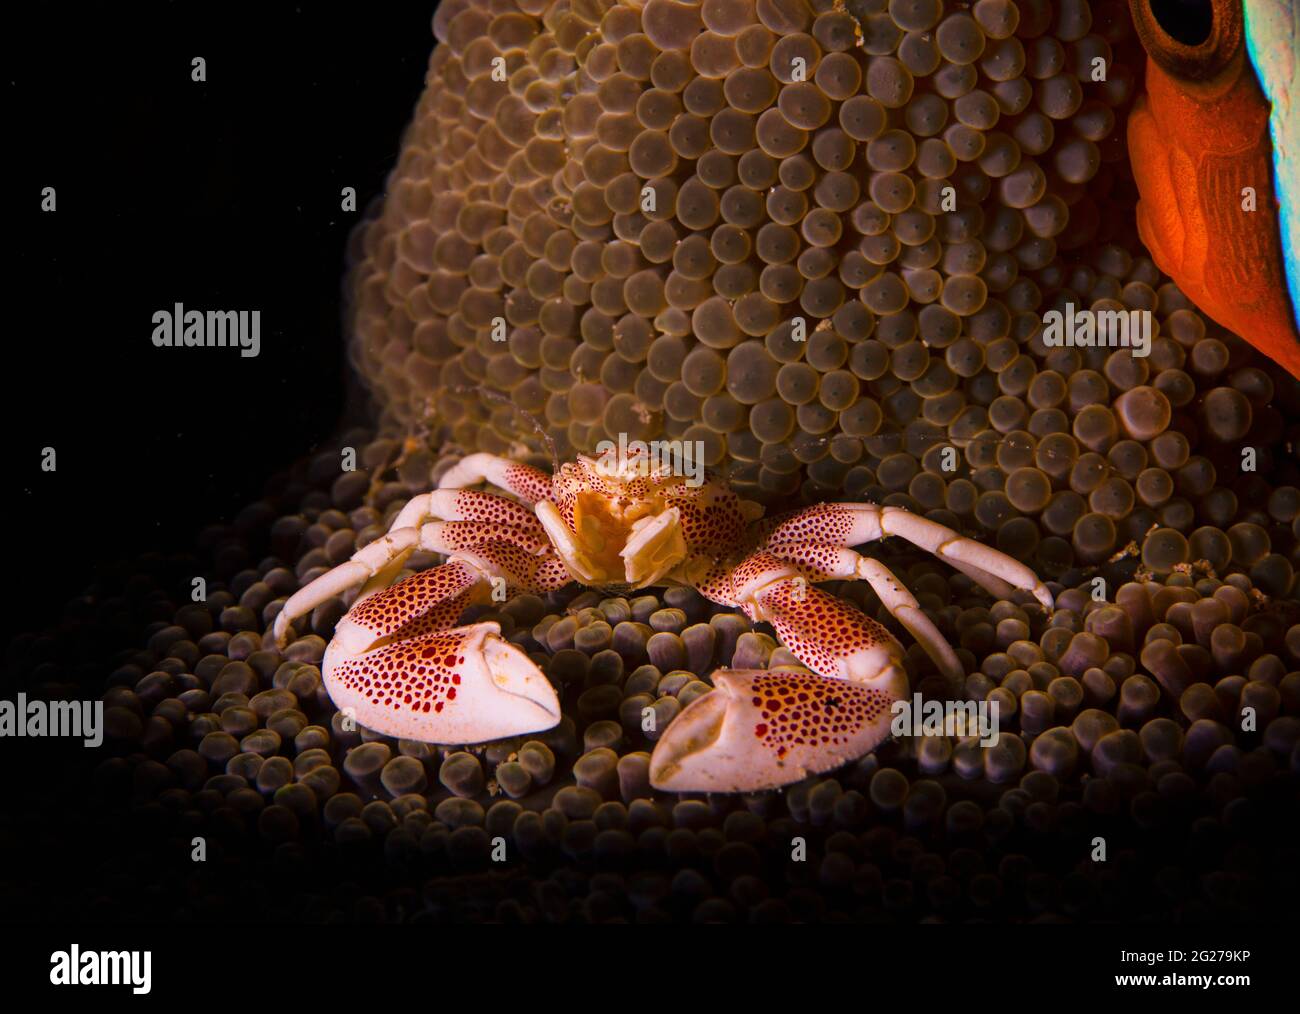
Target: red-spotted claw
x=759, y=729
x=465, y=685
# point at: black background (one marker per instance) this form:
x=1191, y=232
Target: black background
x=221, y=195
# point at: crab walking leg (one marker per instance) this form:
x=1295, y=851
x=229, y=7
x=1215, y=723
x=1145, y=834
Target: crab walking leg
x=383, y=577
x=852, y=524
x=464, y=505
x=991, y=583
x=963, y=552
x=381, y=559
x=433, y=599
x=825, y=563
x=528, y=483
x=454, y=505
x=902, y=605
x=856, y=524
x=830, y=637
x=364, y=564
x=424, y=603
x=450, y=536
x=840, y=524
x=447, y=537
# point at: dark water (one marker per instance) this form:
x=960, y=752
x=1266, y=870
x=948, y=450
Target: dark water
x=223, y=195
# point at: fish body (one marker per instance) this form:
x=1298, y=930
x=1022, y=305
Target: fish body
x=1215, y=148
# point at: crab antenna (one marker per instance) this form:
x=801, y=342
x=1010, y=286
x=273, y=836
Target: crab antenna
x=496, y=396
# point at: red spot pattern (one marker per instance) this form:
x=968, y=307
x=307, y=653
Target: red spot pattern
x=712, y=522
x=471, y=534
x=426, y=602
x=516, y=564
x=475, y=505
x=524, y=571
x=432, y=600
x=817, y=561
x=532, y=484
x=417, y=675
x=821, y=630
x=716, y=586
x=551, y=574
x=799, y=710
x=754, y=568
x=830, y=523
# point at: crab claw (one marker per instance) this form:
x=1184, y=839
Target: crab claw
x=762, y=729
x=466, y=685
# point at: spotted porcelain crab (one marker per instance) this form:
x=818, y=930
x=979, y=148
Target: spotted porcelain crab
x=400, y=662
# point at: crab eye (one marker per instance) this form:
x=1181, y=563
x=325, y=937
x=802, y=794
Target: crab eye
x=1191, y=40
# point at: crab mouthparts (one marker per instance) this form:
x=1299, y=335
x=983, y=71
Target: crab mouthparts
x=632, y=547
x=653, y=548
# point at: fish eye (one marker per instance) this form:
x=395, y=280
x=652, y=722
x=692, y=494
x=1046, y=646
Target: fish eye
x=1191, y=40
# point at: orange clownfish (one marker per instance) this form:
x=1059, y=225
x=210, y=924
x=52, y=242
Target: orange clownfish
x=1215, y=148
